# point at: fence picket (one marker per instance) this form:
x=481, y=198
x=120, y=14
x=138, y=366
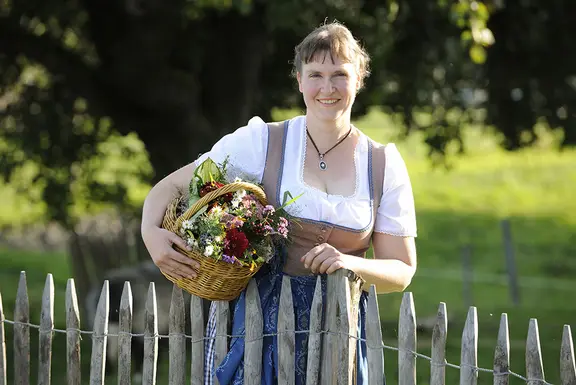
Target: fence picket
x=329, y=356
x=534, y=366
x=221, y=343
x=315, y=336
x=286, y=340
x=73, y=367
x=339, y=323
x=407, y=341
x=254, y=334
x=374, y=345
x=150, y=337
x=502, y=353
x=567, y=366
x=22, y=334
x=45, y=333
x=439, y=336
x=469, y=354
x=125, y=336
x=344, y=328
x=100, y=337
x=3, y=363
x=177, y=346
x=197, y=334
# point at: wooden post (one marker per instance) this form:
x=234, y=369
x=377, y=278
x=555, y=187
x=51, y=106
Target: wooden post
x=125, y=336
x=45, y=333
x=100, y=337
x=254, y=334
x=534, y=365
x=510, y=262
x=286, y=336
x=197, y=331
x=177, y=346
x=502, y=354
x=74, y=375
x=315, y=338
x=374, y=345
x=407, y=341
x=439, y=336
x=150, y=337
x=3, y=377
x=469, y=355
x=22, y=334
x=221, y=343
x=567, y=366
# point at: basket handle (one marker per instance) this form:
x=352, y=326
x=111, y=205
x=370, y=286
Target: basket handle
x=228, y=188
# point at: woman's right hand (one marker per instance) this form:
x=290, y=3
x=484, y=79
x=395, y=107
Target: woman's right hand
x=159, y=243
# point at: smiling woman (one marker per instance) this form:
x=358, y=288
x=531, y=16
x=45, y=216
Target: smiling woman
x=353, y=193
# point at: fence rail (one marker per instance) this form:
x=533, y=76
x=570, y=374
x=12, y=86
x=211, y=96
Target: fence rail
x=324, y=365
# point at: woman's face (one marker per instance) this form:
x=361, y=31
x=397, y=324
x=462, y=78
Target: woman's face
x=329, y=87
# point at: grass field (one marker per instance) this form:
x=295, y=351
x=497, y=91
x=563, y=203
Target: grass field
x=464, y=206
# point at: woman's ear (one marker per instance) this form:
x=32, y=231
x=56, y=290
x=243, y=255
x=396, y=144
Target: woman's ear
x=299, y=78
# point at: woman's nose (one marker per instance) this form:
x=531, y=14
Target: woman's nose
x=328, y=87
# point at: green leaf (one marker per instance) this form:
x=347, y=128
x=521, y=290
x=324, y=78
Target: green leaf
x=292, y=200
x=208, y=171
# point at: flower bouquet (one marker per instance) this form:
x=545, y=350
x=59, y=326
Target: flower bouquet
x=231, y=230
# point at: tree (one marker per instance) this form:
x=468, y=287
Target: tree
x=182, y=73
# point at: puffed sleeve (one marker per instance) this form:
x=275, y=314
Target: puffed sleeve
x=246, y=151
x=396, y=213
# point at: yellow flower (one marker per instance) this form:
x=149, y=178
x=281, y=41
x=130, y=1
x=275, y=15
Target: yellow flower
x=252, y=266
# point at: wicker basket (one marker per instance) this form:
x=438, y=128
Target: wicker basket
x=216, y=280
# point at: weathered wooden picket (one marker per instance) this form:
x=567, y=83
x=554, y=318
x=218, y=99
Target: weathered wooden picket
x=325, y=365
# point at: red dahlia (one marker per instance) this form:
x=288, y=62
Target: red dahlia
x=236, y=243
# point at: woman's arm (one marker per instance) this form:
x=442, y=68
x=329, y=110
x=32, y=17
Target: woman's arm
x=391, y=270
x=393, y=266
x=159, y=241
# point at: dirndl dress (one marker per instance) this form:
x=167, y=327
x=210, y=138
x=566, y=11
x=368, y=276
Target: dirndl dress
x=269, y=282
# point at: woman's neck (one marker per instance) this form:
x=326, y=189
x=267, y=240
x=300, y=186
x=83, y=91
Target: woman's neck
x=327, y=132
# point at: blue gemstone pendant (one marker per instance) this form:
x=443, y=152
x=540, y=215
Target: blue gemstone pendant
x=323, y=166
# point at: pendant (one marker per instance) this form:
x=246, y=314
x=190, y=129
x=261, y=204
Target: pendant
x=323, y=166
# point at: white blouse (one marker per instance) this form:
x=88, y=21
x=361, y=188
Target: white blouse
x=246, y=149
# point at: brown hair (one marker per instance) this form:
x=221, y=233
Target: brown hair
x=337, y=40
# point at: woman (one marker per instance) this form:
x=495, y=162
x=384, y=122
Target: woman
x=354, y=192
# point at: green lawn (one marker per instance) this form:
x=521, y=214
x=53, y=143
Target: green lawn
x=455, y=208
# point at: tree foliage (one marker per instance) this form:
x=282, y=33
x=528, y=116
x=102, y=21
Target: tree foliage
x=181, y=73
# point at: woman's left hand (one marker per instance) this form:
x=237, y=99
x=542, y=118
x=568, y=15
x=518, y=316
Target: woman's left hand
x=325, y=259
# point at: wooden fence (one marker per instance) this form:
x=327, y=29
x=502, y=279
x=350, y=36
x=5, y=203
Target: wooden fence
x=324, y=365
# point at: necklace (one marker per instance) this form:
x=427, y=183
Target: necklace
x=322, y=164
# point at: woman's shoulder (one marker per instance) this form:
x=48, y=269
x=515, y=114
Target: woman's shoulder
x=388, y=150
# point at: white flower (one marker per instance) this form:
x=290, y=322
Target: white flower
x=209, y=250
x=237, y=179
x=218, y=238
x=187, y=225
x=216, y=211
x=238, y=195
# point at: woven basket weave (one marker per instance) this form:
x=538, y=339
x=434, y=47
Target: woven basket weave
x=216, y=280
